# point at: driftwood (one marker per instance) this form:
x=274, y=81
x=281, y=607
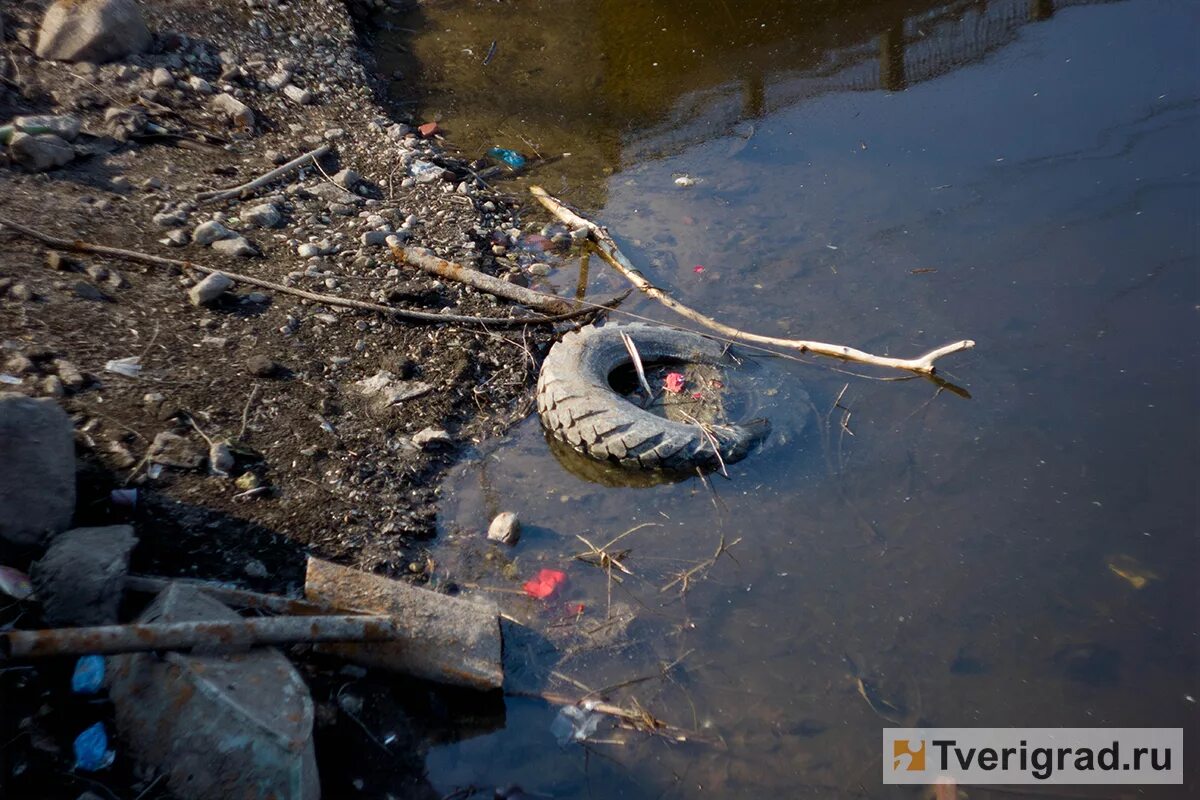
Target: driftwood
x=230, y=596
x=211, y=636
x=609, y=251
x=74, y=245
x=425, y=260
x=263, y=180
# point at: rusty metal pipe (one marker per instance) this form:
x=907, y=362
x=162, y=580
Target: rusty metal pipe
x=230, y=596
x=210, y=636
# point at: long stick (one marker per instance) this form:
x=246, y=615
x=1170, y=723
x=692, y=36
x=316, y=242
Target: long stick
x=399, y=313
x=609, y=251
x=263, y=180
x=426, y=260
x=105, y=639
x=230, y=596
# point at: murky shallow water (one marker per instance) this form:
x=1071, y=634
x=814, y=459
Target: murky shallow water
x=893, y=177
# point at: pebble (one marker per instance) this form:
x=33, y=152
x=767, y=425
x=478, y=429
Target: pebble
x=170, y=219
x=236, y=246
x=85, y=291
x=71, y=377
x=199, y=85
x=255, y=568
x=58, y=262
x=209, y=289
x=177, y=238
x=161, y=78
x=432, y=438
x=52, y=386
x=506, y=528
x=297, y=95
x=262, y=367
x=347, y=178
x=308, y=250
x=265, y=215
x=374, y=238
x=237, y=111
x=209, y=232
x=279, y=80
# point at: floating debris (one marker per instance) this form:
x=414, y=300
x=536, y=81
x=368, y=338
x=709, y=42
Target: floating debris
x=545, y=584
x=88, y=677
x=575, y=724
x=91, y=749
x=1131, y=571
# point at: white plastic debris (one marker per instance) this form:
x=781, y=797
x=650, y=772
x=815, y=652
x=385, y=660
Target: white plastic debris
x=129, y=367
x=575, y=724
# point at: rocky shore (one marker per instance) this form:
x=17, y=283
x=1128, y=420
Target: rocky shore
x=212, y=94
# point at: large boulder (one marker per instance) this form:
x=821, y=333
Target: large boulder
x=37, y=470
x=92, y=30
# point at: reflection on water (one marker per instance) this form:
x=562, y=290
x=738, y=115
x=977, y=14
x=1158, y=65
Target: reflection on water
x=893, y=176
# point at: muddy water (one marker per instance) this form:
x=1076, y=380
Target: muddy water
x=893, y=176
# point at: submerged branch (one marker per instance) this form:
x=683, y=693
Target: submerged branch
x=607, y=247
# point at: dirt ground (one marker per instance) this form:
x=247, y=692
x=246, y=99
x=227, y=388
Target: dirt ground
x=320, y=467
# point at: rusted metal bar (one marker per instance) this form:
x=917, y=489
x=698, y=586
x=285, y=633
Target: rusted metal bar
x=443, y=638
x=210, y=636
x=230, y=596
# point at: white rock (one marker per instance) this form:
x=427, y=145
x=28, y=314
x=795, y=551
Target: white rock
x=199, y=85
x=209, y=289
x=297, y=95
x=308, y=250
x=161, y=78
x=235, y=109
x=211, y=231
x=236, y=246
x=92, y=30
x=431, y=438
x=506, y=528
x=279, y=80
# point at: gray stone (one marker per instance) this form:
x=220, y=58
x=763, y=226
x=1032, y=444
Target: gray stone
x=161, y=78
x=52, y=386
x=374, y=238
x=347, y=179
x=506, y=528
x=209, y=289
x=86, y=291
x=92, y=30
x=37, y=470
x=308, y=250
x=65, y=126
x=237, y=246
x=389, y=390
x=211, y=231
x=199, y=85
x=176, y=238
x=237, y=111
x=71, y=376
x=334, y=194
x=170, y=219
x=263, y=367
x=40, y=152
x=81, y=577
x=265, y=215
x=173, y=450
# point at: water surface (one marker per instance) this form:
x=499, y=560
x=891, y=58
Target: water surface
x=892, y=176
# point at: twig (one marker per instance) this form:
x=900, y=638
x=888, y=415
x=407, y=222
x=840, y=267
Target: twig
x=263, y=180
x=246, y=412
x=685, y=578
x=637, y=366
x=609, y=251
x=399, y=313
x=426, y=261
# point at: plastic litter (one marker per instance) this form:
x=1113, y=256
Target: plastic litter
x=574, y=724
x=14, y=583
x=88, y=677
x=510, y=157
x=91, y=749
x=424, y=171
x=545, y=584
x=129, y=367
x=674, y=382
x=685, y=181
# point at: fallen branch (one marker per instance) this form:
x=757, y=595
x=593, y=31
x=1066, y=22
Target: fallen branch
x=142, y=637
x=425, y=260
x=399, y=313
x=263, y=180
x=609, y=251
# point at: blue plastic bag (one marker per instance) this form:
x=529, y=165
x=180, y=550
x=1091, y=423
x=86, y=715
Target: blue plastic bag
x=91, y=749
x=88, y=676
x=510, y=157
